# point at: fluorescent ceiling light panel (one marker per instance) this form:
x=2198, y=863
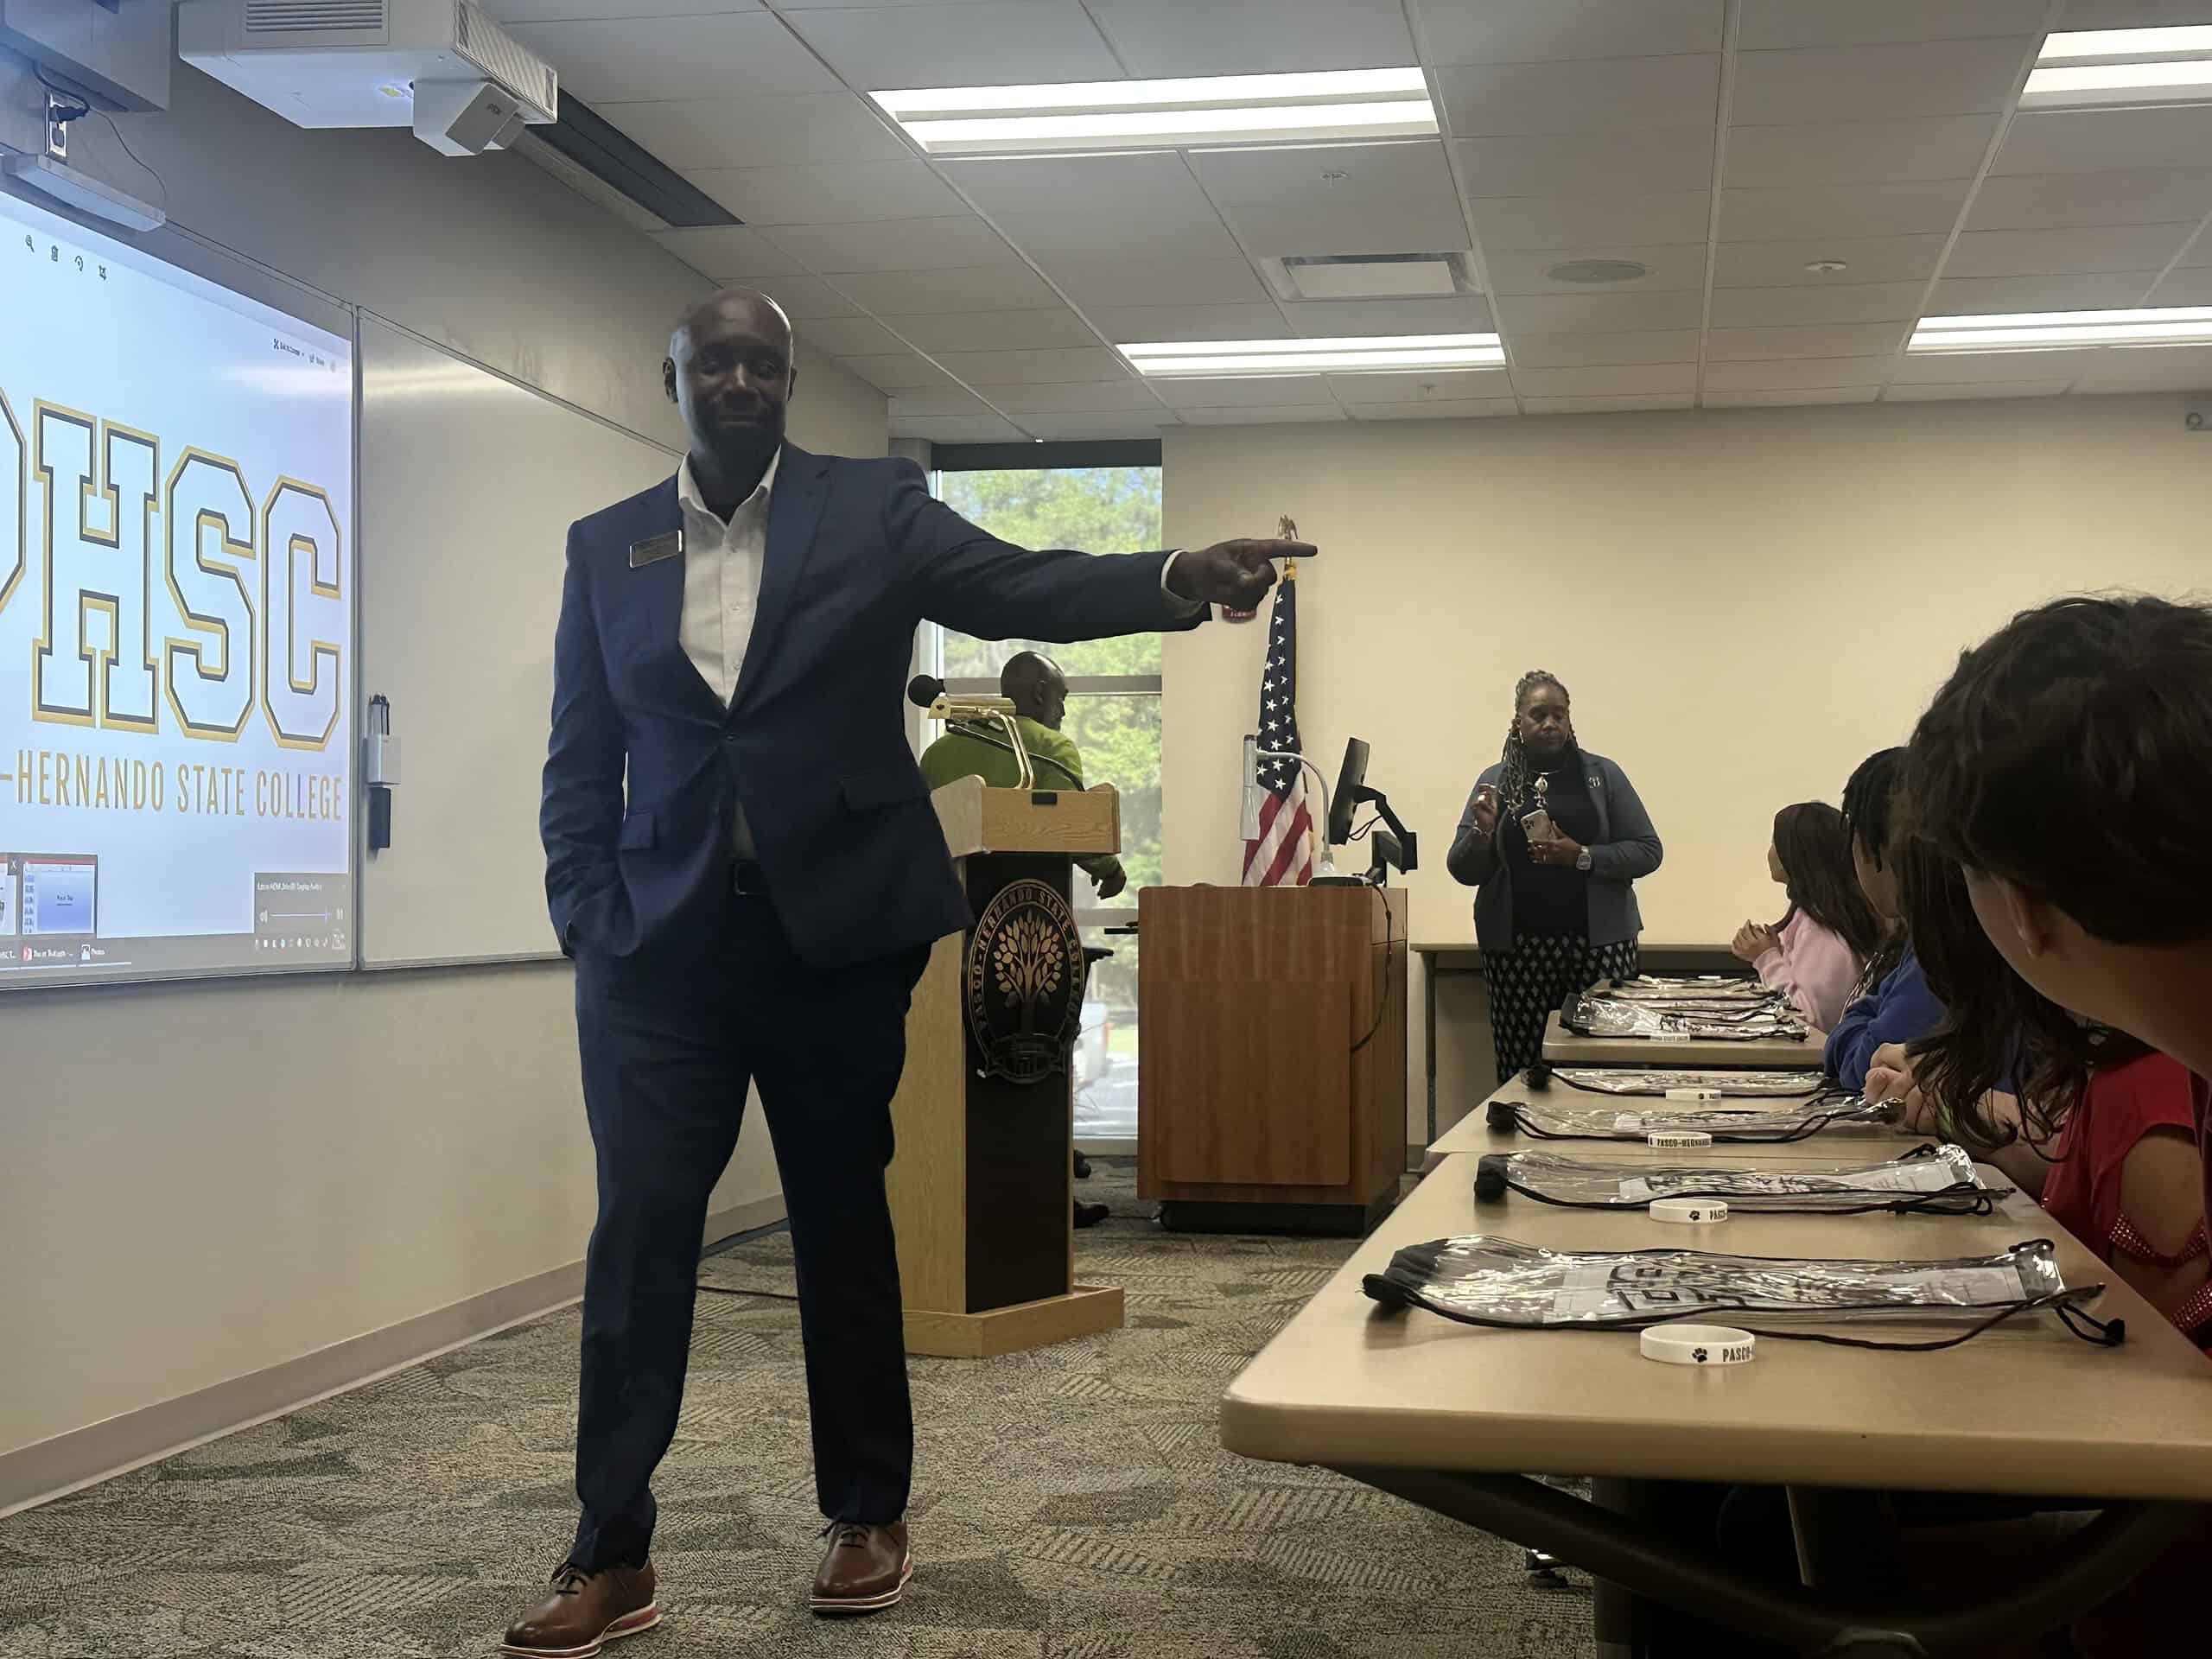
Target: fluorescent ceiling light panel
x=2043, y=331
x=1254, y=359
x=1358, y=104
x=2087, y=68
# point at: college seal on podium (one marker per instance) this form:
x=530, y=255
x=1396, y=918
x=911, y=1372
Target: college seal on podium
x=1024, y=982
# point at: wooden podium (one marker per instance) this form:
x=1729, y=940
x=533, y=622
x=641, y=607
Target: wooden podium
x=1271, y=1063
x=981, y=1183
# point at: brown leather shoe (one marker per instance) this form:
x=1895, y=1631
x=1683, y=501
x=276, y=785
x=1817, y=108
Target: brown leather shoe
x=865, y=1569
x=585, y=1611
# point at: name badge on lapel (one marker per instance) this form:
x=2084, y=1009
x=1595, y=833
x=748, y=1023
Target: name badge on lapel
x=654, y=549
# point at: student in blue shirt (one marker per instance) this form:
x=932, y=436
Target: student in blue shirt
x=1894, y=1004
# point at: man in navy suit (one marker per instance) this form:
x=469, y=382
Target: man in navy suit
x=743, y=860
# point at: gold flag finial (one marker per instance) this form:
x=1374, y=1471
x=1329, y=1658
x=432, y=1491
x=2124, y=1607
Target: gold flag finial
x=1287, y=528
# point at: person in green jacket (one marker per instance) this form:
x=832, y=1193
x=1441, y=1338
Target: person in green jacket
x=1038, y=692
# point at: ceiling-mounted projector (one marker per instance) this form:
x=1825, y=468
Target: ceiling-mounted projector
x=440, y=67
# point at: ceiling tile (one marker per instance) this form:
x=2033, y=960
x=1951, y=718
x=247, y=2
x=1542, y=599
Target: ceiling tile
x=2038, y=253
x=806, y=297
x=1583, y=96
x=731, y=54
x=891, y=245
x=1510, y=222
x=1467, y=314
x=2184, y=287
x=2082, y=291
x=1606, y=381
x=2170, y=368
x=2130, y=14
x=1173, y=233
x=1863, y=83
x=841, y=193
x=996, y=331
x=994, y=45
x=1787, y=374
x=897, y=371
x=1429, y=385
x=1166, y=282
x=1159, y=324
x=1831, y=339
x=1867, y=259
x=955, y=428
x=1542, y=31
x=1603, y=405
x=1850, y=152
x=1978, y=389
x=1852, y=22
x=973, y=288
x=1394, y=198
x=1762, y=308
x=1120, y=184
x=1057, y=367
x=1630, y=160
x=1077, y=397
x=1165, y=38
x=526, y=11
x=2197, y=253
x=1524, y=270
x=1780, y=398
x=1244, y=394
x=1842, y=210
x=703, y=132
x=1443, y=408
x=852, y=337
x=2097, y=141
x=936, y=400
x=2052, y=200
x=1580, y=314
x=860, y=5
x=1243, y=415
x=1955, y=369
x=729, y=253
x=1136, y=423
x=1578, y=351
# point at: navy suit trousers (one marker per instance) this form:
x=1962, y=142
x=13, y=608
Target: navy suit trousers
x=669, y=1041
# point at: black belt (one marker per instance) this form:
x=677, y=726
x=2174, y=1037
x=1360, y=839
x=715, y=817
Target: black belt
x=746, y=880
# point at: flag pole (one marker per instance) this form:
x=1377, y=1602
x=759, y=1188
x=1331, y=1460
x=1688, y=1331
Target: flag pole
x=1315, y=821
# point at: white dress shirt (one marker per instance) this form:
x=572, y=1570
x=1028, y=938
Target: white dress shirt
x=722, y=562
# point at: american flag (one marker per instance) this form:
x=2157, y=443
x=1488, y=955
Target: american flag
x=1283, y=853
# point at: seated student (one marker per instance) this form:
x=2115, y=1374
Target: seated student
x=1899, y=1007
x=2097, y=1123
x=1815, y=954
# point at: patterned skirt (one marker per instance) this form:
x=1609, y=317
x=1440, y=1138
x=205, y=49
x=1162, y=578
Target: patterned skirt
x=1533, y=978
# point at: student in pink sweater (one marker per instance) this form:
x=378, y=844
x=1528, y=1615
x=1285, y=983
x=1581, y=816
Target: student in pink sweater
x=1815, y=952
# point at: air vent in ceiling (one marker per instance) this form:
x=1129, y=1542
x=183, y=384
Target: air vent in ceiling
x=1598, y=270
x=1368, y=276
x=312, y=16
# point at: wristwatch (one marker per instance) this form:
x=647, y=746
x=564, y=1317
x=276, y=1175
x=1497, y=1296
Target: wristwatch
x=1582, y=861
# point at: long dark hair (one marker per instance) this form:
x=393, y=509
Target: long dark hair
x=1515, y=773
x=1813, y=844
x=1998, y=1031
x=1867, y=798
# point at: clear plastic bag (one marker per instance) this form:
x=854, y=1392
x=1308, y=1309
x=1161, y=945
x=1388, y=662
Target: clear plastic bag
x=1784, y=1121
x=1714, y=1020
x=1930, y=1179
x=1608, y=1080
x=1500, y=1282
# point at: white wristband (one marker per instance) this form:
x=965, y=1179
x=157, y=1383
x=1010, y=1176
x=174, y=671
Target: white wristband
x=1701, y=1212
x=1679, y=1138
x=1706, y=1093
x=1699, y=1345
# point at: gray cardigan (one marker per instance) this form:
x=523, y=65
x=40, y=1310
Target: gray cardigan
x=1626, y=846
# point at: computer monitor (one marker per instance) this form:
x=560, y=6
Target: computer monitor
x=1352, y=777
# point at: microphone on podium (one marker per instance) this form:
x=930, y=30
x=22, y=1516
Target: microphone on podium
x=975, y=715
x=924, y=689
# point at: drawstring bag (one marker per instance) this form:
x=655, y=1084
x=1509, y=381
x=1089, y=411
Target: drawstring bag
x=1831, y=1112
x=1928, y=1180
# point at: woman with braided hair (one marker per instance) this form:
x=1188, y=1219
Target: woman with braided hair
x=1552, y=836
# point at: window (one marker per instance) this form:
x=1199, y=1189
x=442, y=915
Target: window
x=1113, y=716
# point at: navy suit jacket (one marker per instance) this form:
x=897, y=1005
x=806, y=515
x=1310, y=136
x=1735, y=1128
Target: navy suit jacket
x=645, y=762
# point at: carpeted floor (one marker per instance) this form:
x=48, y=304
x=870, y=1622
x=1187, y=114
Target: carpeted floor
x=1071, y=1503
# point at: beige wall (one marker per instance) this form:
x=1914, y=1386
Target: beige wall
x=201, y=1183
x=1744, y=603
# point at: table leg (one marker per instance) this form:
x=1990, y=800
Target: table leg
x=1429, y=1044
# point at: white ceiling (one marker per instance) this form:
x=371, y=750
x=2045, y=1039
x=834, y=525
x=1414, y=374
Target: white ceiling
x=1726, y=144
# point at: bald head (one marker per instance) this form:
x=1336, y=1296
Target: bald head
x=1036, y=686
x=729, y=371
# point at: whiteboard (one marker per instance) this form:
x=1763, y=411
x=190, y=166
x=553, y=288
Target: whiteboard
x=468, y=485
